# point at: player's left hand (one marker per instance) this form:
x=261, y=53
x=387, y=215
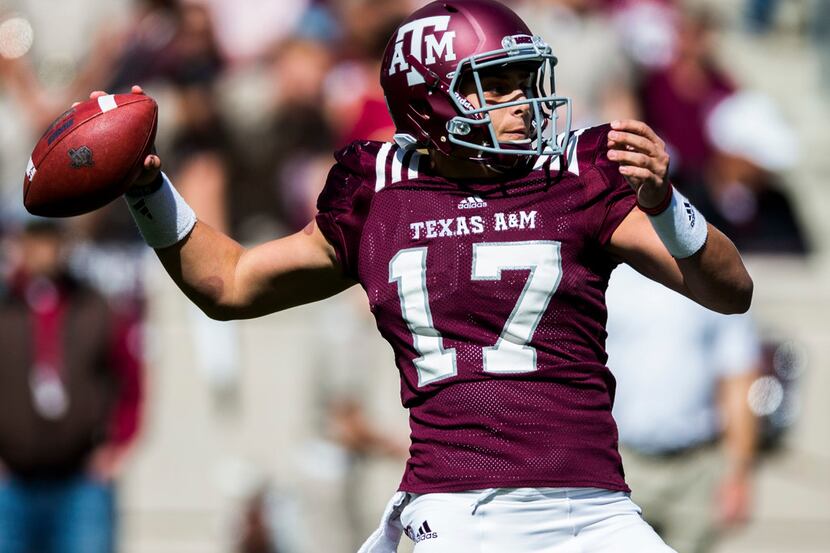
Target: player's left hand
x=643, y=160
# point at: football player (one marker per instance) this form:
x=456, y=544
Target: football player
x=484, y=237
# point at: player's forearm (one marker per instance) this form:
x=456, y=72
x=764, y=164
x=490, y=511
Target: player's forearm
x=716, y=276
x=203, y=265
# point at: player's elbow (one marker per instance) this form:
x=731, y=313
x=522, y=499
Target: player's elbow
x=221, y=311
x=216, y=309
x=744, y=295
x=738, y=299
x=226, y=309
x=219, y=314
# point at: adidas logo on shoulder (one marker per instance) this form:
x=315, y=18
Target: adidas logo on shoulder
x=421, y=534
x=471, y=202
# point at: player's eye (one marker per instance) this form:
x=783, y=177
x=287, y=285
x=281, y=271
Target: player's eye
x=497, y=87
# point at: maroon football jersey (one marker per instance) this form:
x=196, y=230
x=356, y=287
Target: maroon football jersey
x=492, y=295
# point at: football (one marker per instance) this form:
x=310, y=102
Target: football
x=89, y=155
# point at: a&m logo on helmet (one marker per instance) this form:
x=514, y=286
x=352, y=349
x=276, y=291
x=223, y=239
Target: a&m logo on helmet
x=426, y=47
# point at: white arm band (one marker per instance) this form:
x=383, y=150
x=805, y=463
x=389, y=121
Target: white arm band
x=681, y=227
x=162, y=216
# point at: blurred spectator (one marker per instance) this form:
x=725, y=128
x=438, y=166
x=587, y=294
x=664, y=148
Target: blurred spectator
x=351, y=427
x=676, y=97
x=683, y=375
x=20, y=81
x=200, y=141
x=140, y=50
x=356, y=106
x=298, y=129
x=256, y=533
x=776, y=396
x=70, y=389
x=304, y=177
x=742, y=193
x=336, y=469
x=760, y=14
x=592, y=68
x=820, y=23
x=246, y=30
x=324, y=93
x=647, y=30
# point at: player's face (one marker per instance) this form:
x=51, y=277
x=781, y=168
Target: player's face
x=512, y=124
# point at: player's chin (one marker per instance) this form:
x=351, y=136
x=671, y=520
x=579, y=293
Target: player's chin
x=514, y=139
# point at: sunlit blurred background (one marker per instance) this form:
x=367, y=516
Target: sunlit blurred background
x=285, y=434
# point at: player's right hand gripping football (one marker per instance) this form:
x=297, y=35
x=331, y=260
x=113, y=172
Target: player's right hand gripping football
x=152, y=163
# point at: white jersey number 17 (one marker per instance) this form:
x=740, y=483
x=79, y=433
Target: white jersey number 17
x=511, y=353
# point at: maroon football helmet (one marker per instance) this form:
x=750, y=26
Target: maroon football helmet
x=447, y=41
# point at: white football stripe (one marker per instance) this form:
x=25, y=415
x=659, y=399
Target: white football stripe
x=107, y=102
x=380, y=166
x=30, y=169
x=412, y=173
x=397, y=165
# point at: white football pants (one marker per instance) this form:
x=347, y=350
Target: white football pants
x=517, y=520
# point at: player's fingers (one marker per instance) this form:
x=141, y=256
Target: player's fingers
x=152, y=162
x=137, y=89
x=75, y=104
x=96, y=94
x=637, y=127
x=625, y=157
x=638, y=174
x=626, y=140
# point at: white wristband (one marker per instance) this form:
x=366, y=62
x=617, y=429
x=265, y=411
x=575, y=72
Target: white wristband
x=163, y=217
x=681, y=227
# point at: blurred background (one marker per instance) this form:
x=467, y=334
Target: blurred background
x=285, y=434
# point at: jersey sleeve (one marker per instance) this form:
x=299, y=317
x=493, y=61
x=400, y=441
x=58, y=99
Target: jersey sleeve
x=344, y=203
x=611, y=196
